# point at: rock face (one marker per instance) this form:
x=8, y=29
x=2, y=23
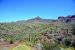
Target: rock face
x=67, y=18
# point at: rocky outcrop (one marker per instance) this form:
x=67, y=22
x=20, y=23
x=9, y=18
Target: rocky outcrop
x=67, y=18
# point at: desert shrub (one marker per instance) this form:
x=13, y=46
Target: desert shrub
x=67, y=42
x=73, y=43
x=50, y=45
x=59, y=38
x=22, y=47
x=73, y=29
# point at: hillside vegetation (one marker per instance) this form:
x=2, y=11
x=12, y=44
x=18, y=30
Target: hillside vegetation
x=51, y=34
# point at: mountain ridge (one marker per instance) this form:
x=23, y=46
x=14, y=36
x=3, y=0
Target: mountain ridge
x=66, y=19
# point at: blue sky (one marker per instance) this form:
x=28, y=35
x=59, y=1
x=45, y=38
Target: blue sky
x=14, y=10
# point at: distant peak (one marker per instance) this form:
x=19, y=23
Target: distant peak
x=38, y=18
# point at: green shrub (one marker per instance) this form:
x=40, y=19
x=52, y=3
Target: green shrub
x=67, y=42
x=22, y=47
x=73, y=29
x=73, y=43
x=50, y=45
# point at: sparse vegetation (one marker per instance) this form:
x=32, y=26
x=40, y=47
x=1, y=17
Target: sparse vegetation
x=22, y=47
x=52, y=35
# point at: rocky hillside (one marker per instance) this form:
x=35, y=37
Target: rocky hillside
x=45, y=31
